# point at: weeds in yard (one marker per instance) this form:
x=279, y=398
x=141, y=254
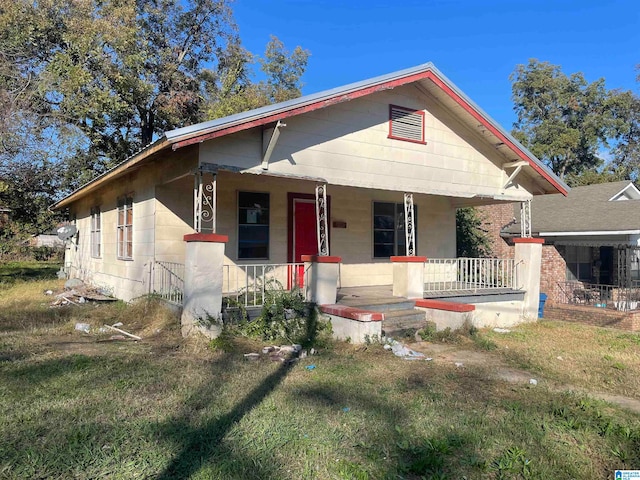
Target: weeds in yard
x=468, y=331
x=286, y=316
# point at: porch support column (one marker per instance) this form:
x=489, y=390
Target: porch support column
x=202, y=303
x=321, y=278
x=322, y=220
x=408, y=276
x=525, y=219
x=528, y=260
x=409, y=222
x=204, y=199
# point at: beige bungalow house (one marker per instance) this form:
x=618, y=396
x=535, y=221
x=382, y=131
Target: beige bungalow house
x=355, y=187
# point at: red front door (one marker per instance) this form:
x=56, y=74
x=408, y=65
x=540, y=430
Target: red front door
x=305, y=236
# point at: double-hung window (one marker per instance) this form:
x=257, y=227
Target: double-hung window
x=389, y=237
x=125, y=228
x=253, y=225
x=96, y=232
x=579, y=259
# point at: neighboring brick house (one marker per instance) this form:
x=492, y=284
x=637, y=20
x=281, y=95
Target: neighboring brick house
x=592, y=235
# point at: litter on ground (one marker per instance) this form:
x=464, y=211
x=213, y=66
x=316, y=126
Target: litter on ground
x=402, y=351
x=501, y=330
x=79, y=294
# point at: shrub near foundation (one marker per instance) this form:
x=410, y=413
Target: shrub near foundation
x=286, y=316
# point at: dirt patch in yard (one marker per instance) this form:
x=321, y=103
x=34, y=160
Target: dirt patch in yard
x=497, y=369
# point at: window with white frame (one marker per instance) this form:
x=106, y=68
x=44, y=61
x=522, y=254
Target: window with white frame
x=253, y=225
x=389, y=237
x=96, y=232
x=406, y=124
x=125, y=228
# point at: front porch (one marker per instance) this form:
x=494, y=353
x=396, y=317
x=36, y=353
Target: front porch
x=485, y=292
x=292, y=233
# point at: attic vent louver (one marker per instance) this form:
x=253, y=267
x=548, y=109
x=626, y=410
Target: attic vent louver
x=406, y=124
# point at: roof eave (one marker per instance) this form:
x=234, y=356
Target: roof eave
x=160, y=144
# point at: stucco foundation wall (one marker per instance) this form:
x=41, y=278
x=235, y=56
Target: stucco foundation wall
x=354, y=330
x=124, y=279
x=486, y=315
x=499, y=314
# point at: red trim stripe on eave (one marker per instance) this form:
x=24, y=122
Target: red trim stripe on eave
x=475, y=114
x=302, y=109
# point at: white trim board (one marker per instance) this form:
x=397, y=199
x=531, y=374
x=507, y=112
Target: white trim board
x=601, y=232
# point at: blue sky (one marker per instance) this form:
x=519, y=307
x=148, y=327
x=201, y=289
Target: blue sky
x=477, y=44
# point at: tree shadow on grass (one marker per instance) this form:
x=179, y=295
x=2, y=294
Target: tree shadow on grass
x=202, y=444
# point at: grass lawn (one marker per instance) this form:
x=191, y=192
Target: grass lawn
x=165, y=408
x=599, y=359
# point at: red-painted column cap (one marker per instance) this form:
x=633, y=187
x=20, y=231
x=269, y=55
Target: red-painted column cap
x=528, y=240
x=206, y=237
x=407, y=259
x=320, y=259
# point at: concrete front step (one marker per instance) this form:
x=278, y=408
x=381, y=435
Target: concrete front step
x=377, y=304
x=399, y=323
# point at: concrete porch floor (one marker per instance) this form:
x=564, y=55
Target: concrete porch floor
x=386, y=292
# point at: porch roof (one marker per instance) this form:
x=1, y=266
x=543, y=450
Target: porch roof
x=426, y=77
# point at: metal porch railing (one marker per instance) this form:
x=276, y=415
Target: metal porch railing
x=167, y=281
x=597, y=295
x=248, y=284
x=469, y=274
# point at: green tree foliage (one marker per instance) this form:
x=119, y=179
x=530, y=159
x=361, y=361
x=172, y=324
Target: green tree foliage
x=626, y=151
x=564, y=120
x=86, y=83
x=230, y=89
x=471, y=239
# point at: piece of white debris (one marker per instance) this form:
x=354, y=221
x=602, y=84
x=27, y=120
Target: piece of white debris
x=83, y=327
x=252, y=356
x=400, y=350
x=533, y=381
x=49, y=292
x=560, y=358
x=501, y=330
x=119, y=324
x=387, y=346
x=459, y=364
